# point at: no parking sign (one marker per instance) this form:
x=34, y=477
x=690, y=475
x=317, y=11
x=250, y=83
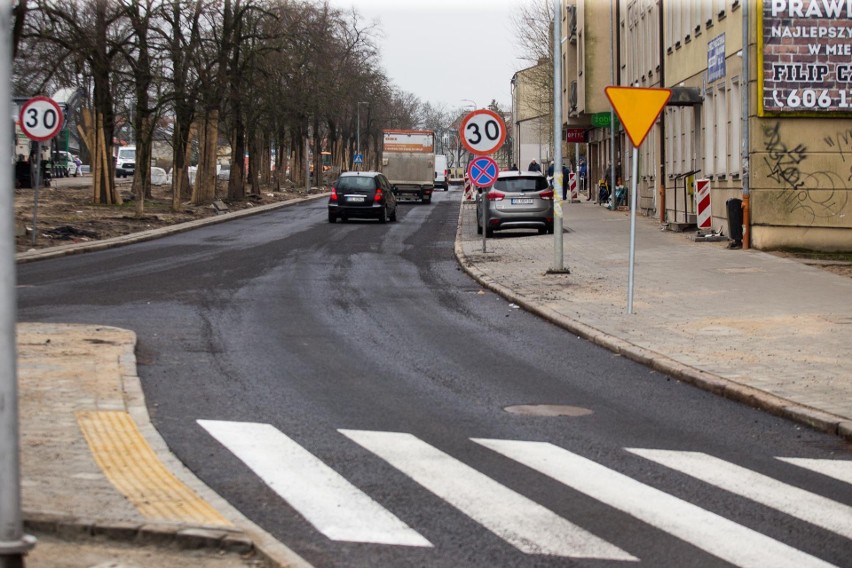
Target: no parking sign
x=482, y=171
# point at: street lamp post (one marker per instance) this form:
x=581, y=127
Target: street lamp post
x=358, y=127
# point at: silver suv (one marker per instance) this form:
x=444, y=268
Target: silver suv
x=517, y=200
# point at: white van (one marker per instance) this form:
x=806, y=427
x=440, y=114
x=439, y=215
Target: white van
x=441, y=172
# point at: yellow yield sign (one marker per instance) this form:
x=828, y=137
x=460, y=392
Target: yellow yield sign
x=637, y=109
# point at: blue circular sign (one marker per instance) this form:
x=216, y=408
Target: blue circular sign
x=482, y=171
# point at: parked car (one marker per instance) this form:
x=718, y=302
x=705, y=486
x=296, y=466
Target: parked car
x=128, y=169
x=442, y=174
x=365, y=195
x=517, y=200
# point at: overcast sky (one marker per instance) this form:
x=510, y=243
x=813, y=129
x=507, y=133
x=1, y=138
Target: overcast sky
x=444, y=51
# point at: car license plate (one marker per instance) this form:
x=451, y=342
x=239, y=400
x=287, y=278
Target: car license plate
x=355, y=198
x=522, y=201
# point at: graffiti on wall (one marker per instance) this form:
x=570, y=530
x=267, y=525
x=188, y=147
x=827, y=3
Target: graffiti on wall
x=842, y=141
x=800, y=194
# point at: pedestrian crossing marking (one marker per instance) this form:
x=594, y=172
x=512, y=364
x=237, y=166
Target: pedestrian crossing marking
x=760, y=488
x=708, y=531
x=838, y=469
x=335, y=507
x=342, y=512
x=523, y=523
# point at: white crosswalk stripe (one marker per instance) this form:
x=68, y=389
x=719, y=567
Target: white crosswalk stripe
x=708, y=531
x=523, y=523
x=331, y=504
x=838, y=469
x=760, y=488
x=342, y=512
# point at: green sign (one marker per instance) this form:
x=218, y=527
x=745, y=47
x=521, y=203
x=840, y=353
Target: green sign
x=601, y=119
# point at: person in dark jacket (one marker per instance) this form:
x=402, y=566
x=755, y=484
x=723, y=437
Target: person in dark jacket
x=534, y=166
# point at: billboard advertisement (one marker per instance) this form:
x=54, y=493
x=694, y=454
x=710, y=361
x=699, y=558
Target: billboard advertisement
x=805, y=57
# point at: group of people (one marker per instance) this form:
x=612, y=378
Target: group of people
x=536, y=167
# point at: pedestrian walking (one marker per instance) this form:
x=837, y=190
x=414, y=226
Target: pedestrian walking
x=78, y=166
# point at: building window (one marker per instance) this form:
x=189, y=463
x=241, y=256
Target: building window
x=669, y=146
x=721, y=150
x=735, y=130
x=709, y=120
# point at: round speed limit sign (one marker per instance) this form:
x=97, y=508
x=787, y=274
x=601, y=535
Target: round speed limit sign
x=482, y=132
x=40, y=118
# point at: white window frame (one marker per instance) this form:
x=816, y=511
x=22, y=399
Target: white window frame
x=721, y=128
x=709, y=117
x=735, y=129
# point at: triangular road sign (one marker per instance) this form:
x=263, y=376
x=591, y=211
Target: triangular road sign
x=637, y=108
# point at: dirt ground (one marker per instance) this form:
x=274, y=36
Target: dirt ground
x=65, y=212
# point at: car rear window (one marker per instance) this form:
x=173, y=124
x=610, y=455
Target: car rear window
x=521, y=184
x=351, y=183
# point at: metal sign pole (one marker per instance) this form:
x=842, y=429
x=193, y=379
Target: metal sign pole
x=36, y=179
x=633, y=201
x=558, y=255
x=13, y=542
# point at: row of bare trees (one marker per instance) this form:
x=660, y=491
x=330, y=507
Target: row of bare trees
x=265, y=76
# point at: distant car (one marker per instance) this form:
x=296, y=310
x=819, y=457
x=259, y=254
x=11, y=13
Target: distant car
x=364, y=195
x=125, y=169
x=517, y=200
x=224, y=172
x=442, y=174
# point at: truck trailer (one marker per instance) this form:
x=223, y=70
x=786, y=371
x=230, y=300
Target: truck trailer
x=408, y=161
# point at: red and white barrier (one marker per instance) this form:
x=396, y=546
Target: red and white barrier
x=572, y=186
x=469, y=193
x=704, y=219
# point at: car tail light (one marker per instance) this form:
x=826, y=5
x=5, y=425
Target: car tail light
x=378, y=197
x=546, y=194
x=494, y=195
x=446, y=173
x=333, y=196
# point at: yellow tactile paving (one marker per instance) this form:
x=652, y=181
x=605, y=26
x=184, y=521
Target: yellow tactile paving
x=133, y=468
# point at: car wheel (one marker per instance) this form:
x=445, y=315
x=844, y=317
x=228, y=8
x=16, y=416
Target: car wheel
x=489, y=232
x=542, y=231
x=393, y=215
x=331, y=217
x=383, y=215
x=550, y=229
x=478, y=229
x=425, y=200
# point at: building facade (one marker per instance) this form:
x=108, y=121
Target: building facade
x=776, y=134
x=532, y=123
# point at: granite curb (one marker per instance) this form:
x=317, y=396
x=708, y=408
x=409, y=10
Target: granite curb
x=807, y=416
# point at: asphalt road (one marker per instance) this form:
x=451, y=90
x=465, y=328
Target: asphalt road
x=350, y=390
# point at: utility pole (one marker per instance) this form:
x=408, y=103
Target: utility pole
x=557, y=139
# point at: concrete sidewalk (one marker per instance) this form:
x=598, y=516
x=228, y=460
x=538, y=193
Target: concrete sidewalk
x=769, y=331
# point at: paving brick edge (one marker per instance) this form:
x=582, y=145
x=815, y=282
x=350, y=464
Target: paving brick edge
x=756, y=398
x=77, y=248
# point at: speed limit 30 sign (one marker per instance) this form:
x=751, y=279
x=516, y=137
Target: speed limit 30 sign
x=40, y=118
x=482, y=132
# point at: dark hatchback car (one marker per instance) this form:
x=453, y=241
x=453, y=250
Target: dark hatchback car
x=363, y=195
